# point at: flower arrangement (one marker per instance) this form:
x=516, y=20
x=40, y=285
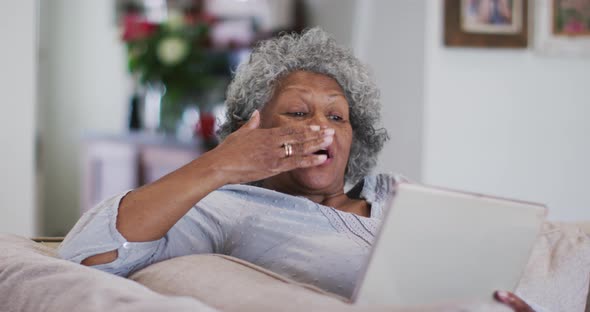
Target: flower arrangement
x=176, y=53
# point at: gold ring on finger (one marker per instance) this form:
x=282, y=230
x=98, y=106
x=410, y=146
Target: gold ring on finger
x=288, y=149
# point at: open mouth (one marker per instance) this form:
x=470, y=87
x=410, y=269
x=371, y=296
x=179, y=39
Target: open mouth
x=324, y=152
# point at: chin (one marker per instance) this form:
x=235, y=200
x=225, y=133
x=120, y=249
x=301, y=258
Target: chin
x=311, y=179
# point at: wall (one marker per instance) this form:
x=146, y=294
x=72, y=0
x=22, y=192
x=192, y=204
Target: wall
x=334, y=16
x=389, y=37
x=501, y=121
x=85, y=88
x=391, y=42
x=506, y=122
x=17, y=120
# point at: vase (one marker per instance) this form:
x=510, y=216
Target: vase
x=162, y=111
x=152, y=106
x=171, y=114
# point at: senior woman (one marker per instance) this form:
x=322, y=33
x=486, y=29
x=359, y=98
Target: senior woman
x=303, y=118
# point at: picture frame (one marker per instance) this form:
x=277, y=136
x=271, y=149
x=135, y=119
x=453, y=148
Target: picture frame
x=486, y=23
x=556, y=34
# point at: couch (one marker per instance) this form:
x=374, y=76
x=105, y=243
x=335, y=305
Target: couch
x=33, y=279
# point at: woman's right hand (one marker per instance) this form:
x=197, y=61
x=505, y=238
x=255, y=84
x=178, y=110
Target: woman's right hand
x=252, y=154
x=248, y=154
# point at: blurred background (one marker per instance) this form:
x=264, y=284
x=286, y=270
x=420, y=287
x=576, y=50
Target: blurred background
x=103, y=96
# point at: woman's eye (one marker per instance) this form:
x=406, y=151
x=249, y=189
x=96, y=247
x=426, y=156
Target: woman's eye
x=296, y=114
x=335, y=117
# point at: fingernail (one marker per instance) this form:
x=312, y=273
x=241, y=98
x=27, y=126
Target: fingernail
x=328, y=140
x=503, y=295
x=255, y=112
x=329, y=131
x=314, y=128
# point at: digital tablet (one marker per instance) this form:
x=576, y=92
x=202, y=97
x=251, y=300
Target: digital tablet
x=437, y=245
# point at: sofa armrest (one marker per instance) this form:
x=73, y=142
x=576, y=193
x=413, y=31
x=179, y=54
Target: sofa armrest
x=49, y=241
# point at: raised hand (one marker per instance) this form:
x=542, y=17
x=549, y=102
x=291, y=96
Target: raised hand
x=252, y=154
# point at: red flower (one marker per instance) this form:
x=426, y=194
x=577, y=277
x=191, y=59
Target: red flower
x=137, y=28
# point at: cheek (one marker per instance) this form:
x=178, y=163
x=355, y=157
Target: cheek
x=269, y=120
x=346, y=139
x=274, y=122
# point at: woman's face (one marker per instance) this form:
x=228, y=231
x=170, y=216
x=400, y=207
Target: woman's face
x=306, y=98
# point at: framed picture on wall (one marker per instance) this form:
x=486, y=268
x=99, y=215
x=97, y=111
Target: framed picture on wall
x=562, y=27
x=486, y=23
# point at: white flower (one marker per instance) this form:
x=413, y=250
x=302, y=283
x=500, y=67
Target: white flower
x=172, y=50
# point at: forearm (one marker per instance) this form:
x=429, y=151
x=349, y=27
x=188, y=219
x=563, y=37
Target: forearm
x=149, y=212
x=248, y=154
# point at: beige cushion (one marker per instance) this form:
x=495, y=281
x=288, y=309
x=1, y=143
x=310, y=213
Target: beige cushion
x=557, y=276
x=585, y=226
x=230, y=284
x=31, y=279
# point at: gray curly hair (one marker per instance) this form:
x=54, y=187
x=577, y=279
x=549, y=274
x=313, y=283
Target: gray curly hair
x=315, y=51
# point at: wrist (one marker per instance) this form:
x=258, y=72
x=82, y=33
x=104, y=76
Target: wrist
x=210, y=165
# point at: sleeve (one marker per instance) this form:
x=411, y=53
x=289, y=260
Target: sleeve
x=201, y=230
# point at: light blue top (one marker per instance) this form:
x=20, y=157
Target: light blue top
x=290, y=235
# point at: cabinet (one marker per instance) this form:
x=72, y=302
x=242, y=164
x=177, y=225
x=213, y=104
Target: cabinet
x=113, y=164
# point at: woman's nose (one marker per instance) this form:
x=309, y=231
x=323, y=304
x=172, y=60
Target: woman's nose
x=319, y=119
